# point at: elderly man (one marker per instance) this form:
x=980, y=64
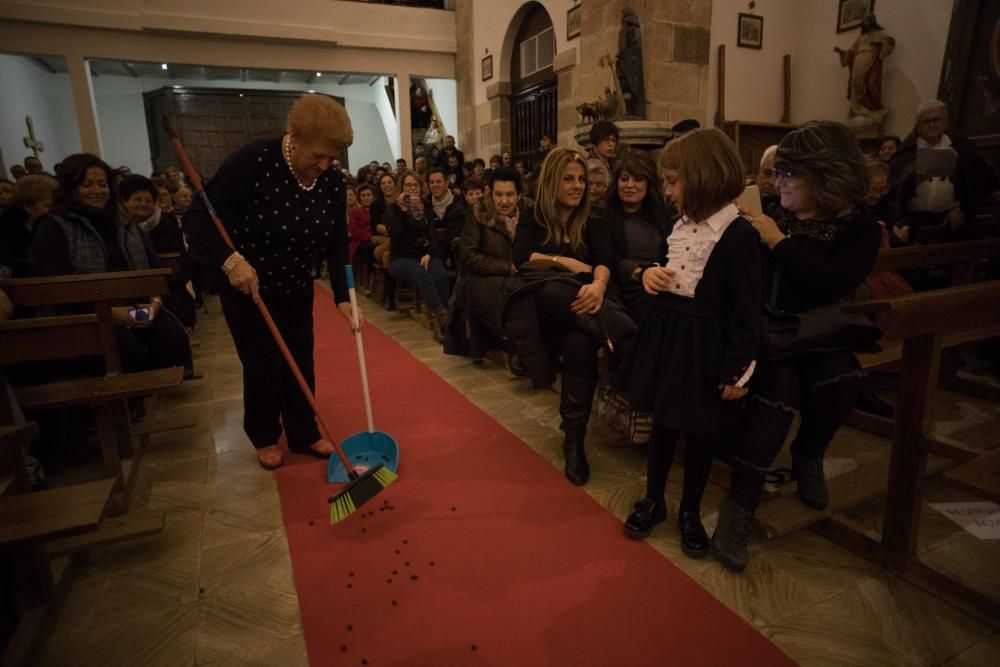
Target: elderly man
x=938, y=176
x=765, y=173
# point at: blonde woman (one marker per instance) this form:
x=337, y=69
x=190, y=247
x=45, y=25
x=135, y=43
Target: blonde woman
x=283, y=204
x=557, y=237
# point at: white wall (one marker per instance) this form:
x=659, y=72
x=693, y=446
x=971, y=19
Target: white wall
x=121, y=115
x=31, y=91
x=807, y=30
x=389, y=121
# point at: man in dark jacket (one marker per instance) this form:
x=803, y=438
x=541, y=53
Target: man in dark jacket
x=929, y=193
x=449, y=213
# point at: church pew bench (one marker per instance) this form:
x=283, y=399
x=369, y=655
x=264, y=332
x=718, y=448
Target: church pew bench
x=37, y=339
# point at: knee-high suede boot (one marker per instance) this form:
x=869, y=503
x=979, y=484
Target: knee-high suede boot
x=574, y=407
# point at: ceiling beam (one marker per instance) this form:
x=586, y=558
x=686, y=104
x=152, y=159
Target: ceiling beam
x=311, y=78
x=43, y=64
x=343, y=79
x=130, y=70
x=374, y=80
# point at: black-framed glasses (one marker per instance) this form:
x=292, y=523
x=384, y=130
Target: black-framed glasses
x=785, y=174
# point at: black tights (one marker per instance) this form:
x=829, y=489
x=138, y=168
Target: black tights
x=698, y=454
x=823, y=387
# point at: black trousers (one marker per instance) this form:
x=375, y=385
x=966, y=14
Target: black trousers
x=161, y=345
x=271, y=395
x=557, y=322
x=823, y=387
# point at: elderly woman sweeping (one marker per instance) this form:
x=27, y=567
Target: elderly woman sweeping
x=282, y=205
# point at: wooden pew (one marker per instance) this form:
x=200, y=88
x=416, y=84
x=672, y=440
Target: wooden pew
x=74, y=336
x=921, y=322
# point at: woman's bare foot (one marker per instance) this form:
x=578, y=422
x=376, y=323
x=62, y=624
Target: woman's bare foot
x=322, y=448
x=269, y=458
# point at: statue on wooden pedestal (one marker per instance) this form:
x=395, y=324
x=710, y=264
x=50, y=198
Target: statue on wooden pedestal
x=629, y=65
x=864, y=62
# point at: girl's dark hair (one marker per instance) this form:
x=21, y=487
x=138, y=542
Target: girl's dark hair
x=135, y=183
x=638, y=164
x=828, y=155
x=71, y=173
x=507, y=175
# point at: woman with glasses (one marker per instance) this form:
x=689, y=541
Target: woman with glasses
x=819, y=243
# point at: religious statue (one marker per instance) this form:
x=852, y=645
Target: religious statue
x=864, y=62
x=629, y=65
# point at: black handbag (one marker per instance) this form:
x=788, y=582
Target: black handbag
x=824, y=329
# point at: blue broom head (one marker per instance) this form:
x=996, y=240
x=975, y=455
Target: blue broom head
x=364, y=450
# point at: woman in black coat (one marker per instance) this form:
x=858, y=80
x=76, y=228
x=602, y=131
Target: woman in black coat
x=819, y=244
x=486, y=249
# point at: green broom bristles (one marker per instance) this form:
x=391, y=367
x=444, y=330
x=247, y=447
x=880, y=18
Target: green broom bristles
x=346, y=501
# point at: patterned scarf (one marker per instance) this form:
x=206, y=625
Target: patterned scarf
x=441, y=206
x=415, y=208
x=824, y=230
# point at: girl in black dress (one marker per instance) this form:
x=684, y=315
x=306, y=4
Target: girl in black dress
x=697, y=344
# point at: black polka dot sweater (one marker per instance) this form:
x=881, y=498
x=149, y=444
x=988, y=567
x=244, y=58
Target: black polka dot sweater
x=279, y=227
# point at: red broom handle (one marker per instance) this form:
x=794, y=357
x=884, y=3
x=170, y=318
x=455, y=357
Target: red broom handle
x=199, y=188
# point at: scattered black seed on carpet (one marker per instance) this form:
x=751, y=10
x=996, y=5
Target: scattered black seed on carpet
x=397, y=552
x=453, y=509
x=405, y=542
x=413, y=577
x=364, y=529
x=393, y=603
x=407, y=563
x=474, y=647
x=363, y=661
x=343, y=647
x=349, y=627
x=381, y=509
x=312, y=523
x=370, y=513
x=432, y=563
x=394, y=572
x=388, y=581
x=350, y=574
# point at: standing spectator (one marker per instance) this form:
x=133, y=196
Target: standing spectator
x=416, y=255
x=420, y=166
x=359, y=225
x=506, y=160
x=604, y=142
x=420, y=110
x=18, y=171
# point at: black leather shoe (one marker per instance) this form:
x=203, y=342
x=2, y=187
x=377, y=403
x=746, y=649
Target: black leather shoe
x=812, y=490
x=647, y=514
x=694, y=539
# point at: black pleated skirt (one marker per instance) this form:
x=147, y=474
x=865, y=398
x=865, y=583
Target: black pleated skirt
x=673, y=365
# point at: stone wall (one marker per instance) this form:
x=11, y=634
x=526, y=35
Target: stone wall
x=675, y=43
x=466, y=68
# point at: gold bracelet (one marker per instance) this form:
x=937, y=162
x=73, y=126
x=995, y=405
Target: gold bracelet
x=231, y=262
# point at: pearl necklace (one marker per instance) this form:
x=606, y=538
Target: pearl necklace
x=286, y=149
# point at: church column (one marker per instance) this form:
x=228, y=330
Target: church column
x=403, y=116
x=84, y=102
x=497, y=137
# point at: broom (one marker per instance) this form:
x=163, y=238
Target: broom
x=361, y=488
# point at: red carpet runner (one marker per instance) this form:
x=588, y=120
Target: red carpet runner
x=485, y=555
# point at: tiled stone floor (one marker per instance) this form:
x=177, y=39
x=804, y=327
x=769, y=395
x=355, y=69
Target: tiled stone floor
x=216, y=588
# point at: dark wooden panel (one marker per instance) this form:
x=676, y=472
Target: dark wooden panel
x=534, y=113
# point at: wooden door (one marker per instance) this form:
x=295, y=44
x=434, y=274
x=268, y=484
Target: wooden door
x=533, y=114
x=970, y=76
x=214, y=122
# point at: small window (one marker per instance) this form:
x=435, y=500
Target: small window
x=538, y=52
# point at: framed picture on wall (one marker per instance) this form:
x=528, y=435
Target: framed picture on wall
x=851, y=12
x=750, y=31
x=487, y=68
x=573, y=22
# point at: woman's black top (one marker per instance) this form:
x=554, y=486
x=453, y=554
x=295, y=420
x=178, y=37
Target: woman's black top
x=375, y=213
x=820, y=262
x=51, y=251
x=638, y=242
x=411, y=238
x=279, y=227
x=15, y=241
x=530, y=237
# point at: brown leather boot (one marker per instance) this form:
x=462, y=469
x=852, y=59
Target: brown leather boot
x=439, y=319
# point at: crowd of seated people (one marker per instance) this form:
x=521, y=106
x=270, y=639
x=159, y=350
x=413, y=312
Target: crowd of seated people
x=580, y=254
